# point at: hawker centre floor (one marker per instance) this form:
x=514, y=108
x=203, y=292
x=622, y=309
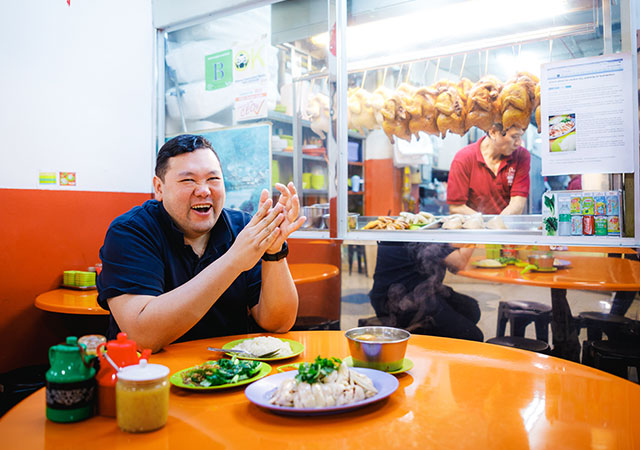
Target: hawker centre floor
x=355, y=304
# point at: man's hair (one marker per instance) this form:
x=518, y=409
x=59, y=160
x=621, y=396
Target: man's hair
x=497, y=126
x=185, y=143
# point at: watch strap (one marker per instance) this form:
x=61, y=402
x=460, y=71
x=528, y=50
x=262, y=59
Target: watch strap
x=284, y=251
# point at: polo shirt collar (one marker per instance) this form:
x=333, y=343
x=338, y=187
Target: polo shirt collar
x=219, y=235
x=503, y=162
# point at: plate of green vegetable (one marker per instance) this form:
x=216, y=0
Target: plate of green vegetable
x=221, y=374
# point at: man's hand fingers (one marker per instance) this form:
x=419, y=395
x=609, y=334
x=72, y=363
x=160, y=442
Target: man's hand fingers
x=261, y=212
x=295, y=225
x=268, y=241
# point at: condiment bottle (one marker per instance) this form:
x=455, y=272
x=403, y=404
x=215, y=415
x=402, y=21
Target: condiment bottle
x=71, y=383
x=122, y=352
x=91, y=341
x=142, y=397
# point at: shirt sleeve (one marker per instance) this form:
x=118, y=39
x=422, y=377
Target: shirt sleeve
x=458, y=183
x=132, y=263
x=520, y=185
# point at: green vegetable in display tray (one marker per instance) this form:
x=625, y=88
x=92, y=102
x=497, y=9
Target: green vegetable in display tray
x=224, y=371
x=551, y=225
x=317, y=370
x=549, y=202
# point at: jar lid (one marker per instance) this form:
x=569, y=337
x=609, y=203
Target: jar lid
x=143, y=372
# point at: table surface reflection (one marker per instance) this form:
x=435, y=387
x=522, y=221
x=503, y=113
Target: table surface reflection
x=70, y=301
x=585, y=272
x=459, y=394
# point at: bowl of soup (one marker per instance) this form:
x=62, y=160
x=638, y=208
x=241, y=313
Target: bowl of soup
x=380, y=348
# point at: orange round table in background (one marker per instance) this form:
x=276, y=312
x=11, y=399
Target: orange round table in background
x=459, y=394
x=69, y=301
x=309, y=272
x=589, y=273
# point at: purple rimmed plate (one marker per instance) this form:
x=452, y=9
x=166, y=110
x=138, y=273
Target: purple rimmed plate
x=262, y=390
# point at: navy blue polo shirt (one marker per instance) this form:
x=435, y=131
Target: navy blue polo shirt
x=144, y=254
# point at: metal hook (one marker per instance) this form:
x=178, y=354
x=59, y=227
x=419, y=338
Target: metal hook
x=399, y=79
x=464, y=60
x=406, y=79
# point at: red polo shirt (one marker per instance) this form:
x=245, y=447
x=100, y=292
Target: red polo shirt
x=472, y=183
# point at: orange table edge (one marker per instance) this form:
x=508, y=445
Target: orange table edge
x=459, y=394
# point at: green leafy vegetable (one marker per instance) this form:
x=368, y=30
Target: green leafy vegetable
x=317, y=370
x=549, y=202
x=224, y=371
x=551, y=225
x=507, y=260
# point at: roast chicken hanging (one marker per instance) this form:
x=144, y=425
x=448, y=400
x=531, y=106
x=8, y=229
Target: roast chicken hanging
x=445, y=106
x=483, y=108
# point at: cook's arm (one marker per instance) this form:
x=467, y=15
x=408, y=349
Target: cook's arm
x=461, y=209
x=516, y=205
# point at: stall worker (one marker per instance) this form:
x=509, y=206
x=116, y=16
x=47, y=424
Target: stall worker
x=183, y=267
x=490, y=176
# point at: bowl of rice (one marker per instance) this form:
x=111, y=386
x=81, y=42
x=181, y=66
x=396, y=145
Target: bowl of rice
x=265, y=344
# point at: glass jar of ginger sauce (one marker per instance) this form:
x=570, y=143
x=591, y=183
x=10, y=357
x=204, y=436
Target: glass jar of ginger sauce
x=142, y=397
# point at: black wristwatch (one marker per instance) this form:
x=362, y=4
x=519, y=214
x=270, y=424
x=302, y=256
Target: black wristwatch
x=282, y=254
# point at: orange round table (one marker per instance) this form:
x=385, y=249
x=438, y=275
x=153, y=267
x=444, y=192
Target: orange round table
x=309, y=272
x=459, y=394
x=71, y=301
x=589, y=273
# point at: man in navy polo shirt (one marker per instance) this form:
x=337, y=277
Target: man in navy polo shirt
x=182, y=267
x=490, y=176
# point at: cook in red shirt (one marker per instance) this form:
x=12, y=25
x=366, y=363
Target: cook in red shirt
x=490, y=176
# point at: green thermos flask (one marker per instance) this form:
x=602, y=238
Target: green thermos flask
x=71, y=382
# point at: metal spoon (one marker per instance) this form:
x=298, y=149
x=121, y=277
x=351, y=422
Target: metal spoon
x=242, y=352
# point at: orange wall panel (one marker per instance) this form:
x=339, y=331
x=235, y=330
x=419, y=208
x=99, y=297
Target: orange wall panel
x=383, y=185
x=44, y=233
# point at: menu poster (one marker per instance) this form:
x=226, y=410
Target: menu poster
x=586, y=112
x=251, y=79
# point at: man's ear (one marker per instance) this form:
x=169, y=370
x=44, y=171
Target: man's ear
x=157, y=188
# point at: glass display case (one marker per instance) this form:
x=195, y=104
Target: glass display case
x=370, y=102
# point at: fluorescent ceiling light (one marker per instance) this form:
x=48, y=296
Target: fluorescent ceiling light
x=452, y=21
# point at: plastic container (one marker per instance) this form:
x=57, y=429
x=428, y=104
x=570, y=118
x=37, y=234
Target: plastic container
x=142, y=397
x=353, y=151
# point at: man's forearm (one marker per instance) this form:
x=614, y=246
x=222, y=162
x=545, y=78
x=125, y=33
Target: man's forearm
x=154, y=322
x=278, y=306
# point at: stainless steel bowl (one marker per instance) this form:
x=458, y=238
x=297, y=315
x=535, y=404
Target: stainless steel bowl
x=352, y=220
x=385, y=353
x=542, y=261
x=314, y=216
